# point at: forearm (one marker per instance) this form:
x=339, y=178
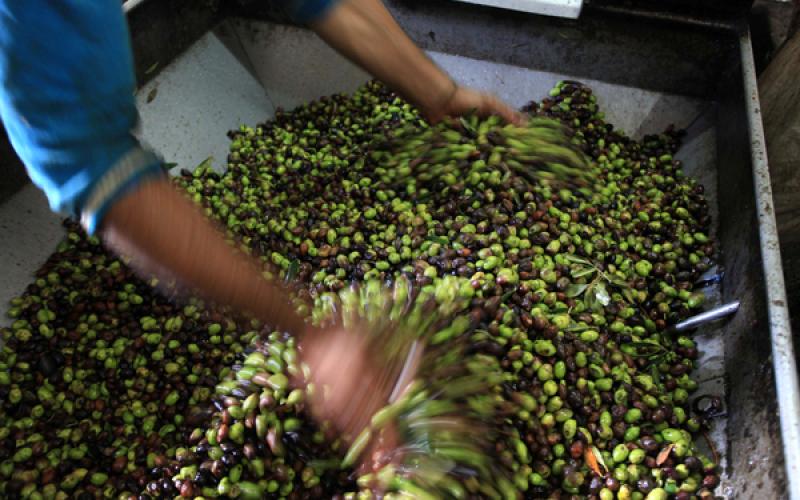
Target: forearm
x=365, y=32
x=165, y=234
x=69, y=110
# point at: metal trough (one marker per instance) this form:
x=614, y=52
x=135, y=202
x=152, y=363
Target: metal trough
x=206, y=67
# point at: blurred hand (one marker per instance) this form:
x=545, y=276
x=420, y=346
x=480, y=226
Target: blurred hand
x=464, y=100
x=356, y=388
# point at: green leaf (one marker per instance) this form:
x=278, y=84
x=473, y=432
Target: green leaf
x=628, y=294
x=590, y=299
x=655, y=374
x=578, y=328
x=438, y=239
x=599, y=457
x=643, y=349
x=602, y=294
x=660, y=358
x=577, y=260
x=204, y=165
x=644, y=343
x=469, y=128
x=291, y=273
x=618, y=282
x=581, y=272
x=575, y=289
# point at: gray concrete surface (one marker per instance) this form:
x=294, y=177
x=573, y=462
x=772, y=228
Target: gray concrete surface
x=186, y=110
x=30, y=234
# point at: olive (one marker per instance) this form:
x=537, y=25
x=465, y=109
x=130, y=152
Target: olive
x=577, y=246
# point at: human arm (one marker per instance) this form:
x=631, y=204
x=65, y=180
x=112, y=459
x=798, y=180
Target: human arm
x=168, y=236
x=67, y=102
x=366, y=33
x=164, y=230
x=69, y=109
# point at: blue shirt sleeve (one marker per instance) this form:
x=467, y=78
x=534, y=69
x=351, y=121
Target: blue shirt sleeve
x=66, y=100
x=306, y=11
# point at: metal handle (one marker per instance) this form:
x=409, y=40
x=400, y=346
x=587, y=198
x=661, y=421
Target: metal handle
x=714, y=314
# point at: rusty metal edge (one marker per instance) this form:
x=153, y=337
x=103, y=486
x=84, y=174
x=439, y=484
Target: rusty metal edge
x=783, y=358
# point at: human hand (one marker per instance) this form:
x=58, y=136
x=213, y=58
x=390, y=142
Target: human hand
x=349, y=388
x=463, y=100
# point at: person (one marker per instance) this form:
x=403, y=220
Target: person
x=67, y=102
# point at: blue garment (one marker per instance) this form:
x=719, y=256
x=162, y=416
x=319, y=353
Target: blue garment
x=66, y=99
x=306, y=11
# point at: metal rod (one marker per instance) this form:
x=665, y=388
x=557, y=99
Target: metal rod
x=714, y=314
x=783, y=359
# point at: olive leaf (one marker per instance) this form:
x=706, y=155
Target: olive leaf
x=643, y=349
x=598, y=456
x=575, y=289
x=628, y=294
x=574, y=328
x=582, y=271
x=207, y=163
x=619, y=283
x=601, y=293
x=596, y=293
x=663, y=455
x=590, y=299
x=438, y=239
x=654, y=372
x=577, y=260
x=596, y=296
x=591, y=461
x=467, y=126
x=291, y=272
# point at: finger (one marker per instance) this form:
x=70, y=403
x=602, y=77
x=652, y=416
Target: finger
x=382, y=451
x=517, y=118
x=491, y=105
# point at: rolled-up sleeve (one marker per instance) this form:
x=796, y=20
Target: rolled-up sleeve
x=66, y=100
x=306, y=11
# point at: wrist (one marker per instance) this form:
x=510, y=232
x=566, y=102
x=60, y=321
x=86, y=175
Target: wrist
x=274, y=307
x=283, y=317
x=439, y=104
